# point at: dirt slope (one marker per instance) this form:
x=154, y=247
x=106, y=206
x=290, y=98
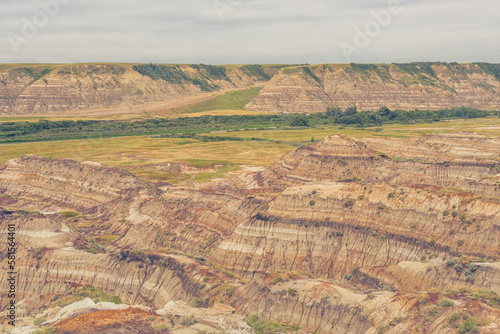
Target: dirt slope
x=341, y=236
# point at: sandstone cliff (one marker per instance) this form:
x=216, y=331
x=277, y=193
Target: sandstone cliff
x=321, y=239
x=405, y=86
x=39, y=89
x=43, y=89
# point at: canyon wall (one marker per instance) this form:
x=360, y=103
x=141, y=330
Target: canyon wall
x=424, y=86
x=303, y=242
x=40, y=89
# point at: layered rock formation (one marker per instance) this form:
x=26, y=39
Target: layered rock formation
x=422, y=86
x=47, y=89
x=290, y=243
x=26, y=89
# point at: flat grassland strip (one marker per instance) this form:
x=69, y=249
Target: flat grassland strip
x=139, y=153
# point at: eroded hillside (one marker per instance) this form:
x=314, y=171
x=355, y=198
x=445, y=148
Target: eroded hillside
x=342, y=236
x=46, y=89
x=424, y=86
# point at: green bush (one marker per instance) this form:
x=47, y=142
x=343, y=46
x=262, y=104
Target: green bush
x=349, y=203
x=162, y=327
x=187, y=321
x=445, y=302
x=266, y=327
x=276, y=280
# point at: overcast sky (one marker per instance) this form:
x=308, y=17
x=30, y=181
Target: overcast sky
x=249, y=31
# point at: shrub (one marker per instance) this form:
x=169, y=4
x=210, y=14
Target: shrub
x=472, y=267
x=446, y=213
x=458, y=267
x=391, y=195
x=454, y=213
x=349, y=203
x=292, y=292
x=299, y=121
x=469, y=326
x=460, y=243
x=187, y=321
x=229, y=290
x=162, y=327
x=423, y=299
x=261, y=326
x=348, y=276
x=312, y=202
x=39, y=321
x=451, y=262
x=276, y=280
x=431, y=312
x=445, y=302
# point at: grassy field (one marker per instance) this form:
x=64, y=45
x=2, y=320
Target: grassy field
x=485, y=126
x=140, y=154
x=233, y=100
x=222, y=112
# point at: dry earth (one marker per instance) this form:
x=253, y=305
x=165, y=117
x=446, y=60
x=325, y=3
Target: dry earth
x=342, y=236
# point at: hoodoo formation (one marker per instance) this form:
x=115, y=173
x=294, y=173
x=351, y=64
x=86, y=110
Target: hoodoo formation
x=341, y=236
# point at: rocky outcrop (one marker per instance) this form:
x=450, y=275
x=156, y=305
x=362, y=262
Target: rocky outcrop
x=47, y=89
x=397, y=86
x=41, y=89
x=414, y=215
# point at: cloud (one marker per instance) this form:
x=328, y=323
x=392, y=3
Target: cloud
x=251, y=31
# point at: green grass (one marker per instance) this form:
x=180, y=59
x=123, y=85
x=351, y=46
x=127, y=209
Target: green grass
x=83, y=292
x=201, y=163
x=139, y=154
x=234, y=100
x=50, y=330
x=266, y=327
x=69, y=213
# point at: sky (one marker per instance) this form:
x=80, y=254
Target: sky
x=249, y=31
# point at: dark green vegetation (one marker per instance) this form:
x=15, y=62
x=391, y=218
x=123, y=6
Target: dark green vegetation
x=261, y=326
x=493, y=69
x=82, y=292
x=384, y=115
x=204, y=76
x=175, y=74
x=44, y=130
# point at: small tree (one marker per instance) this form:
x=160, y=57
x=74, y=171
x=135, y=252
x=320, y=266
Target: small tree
x=299, y=121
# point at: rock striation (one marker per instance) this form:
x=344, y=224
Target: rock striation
x=394, y=218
